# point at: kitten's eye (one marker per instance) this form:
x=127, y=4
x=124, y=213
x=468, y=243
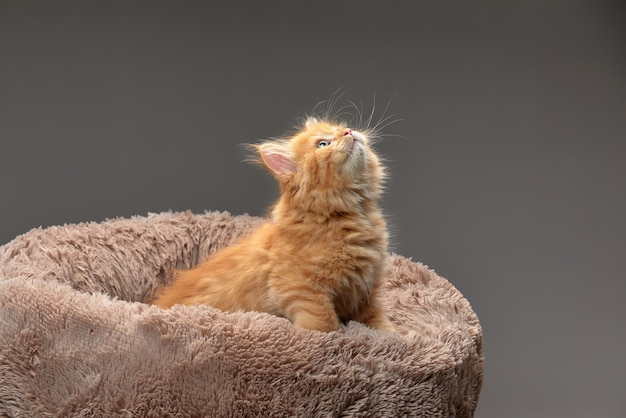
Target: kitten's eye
x=323, y=143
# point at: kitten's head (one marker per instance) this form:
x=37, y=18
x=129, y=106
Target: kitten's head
x=324, y=165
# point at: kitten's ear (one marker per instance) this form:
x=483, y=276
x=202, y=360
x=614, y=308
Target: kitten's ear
x=310, y=121
x=278, y=159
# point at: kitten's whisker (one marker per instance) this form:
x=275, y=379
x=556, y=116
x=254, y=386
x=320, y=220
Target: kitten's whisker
x=387, y=121
x=332, y=102
x=354, y=115
x=343, y=118
x=386, y=125
x=382, y=136
x=358, y=115
x=317, y=107
x=341, y=111
x=380, y=124
x=386, y=107
x=369, y=120
x=324, y=108
x=362, y=114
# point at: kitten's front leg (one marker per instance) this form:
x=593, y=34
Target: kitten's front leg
x=373, y=315
x=311, y=311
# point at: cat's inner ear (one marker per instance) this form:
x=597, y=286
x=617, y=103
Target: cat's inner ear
x=278, y=159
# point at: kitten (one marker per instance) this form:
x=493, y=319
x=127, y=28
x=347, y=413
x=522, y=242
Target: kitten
x=319, y=258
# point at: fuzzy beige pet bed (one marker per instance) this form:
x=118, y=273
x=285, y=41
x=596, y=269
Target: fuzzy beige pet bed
x=76, y=339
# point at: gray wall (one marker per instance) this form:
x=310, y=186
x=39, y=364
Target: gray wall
x=507, y=178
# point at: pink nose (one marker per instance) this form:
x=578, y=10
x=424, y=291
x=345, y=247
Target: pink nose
x=347, y=132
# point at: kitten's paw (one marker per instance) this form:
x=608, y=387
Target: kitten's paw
x=326, y=323
x=382, y=324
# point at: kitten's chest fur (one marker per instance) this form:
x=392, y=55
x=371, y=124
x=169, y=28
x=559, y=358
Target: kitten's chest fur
x=342, y=254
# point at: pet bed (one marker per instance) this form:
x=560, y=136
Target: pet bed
x=76, y=338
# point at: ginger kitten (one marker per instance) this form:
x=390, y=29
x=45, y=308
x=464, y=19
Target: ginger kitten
x=319, y=258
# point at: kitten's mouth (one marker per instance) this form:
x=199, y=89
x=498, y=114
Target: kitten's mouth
x=351, y=143
x=356, y=139
x=347, y=144
x=350, y=139
x=351, y=151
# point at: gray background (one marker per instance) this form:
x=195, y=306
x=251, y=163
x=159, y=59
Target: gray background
x=507, y=178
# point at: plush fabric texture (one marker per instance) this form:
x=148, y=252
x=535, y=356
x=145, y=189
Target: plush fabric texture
x=76, y=338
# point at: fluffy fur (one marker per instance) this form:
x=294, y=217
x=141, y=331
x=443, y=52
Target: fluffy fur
x=318, y=260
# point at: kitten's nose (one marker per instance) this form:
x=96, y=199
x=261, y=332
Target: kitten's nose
x=347, y=132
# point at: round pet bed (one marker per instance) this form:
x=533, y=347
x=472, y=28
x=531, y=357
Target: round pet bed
x=77, y=339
